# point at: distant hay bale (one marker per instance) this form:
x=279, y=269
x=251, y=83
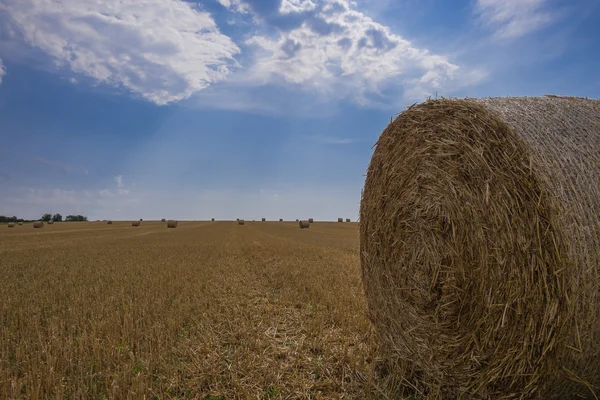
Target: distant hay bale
x=38, y=224
x=264, y=219
x=348, y=220
x=141, y=220
x=304, y=224
x=212, y=219
x=297, y=220
x=11, y=224
x=50, y=222
x=109, y=222
x=240, y=222
x=135, y=223
x=20, y=224
x=172, y=224
x=480, y=248
x=280, y=219
x=310, y=221
x=340, y=219
x=163, y=220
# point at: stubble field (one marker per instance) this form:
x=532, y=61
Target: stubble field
x=210, y=309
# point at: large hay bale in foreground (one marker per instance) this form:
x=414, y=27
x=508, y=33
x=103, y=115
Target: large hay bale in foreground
x=310, y=221
x=303, y=224
x=480, y=247
x=240, y=222
x=38, y=224
x=172, y=224
x=136, y=223
x=340, y=219
x=11, y=225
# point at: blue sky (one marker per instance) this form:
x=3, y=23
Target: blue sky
x=247, y=108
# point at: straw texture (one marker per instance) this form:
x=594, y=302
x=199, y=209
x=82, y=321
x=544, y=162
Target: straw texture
x=480, y=248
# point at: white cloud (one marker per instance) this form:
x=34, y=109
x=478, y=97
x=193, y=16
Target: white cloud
x=342, y=52
x=163, y=50
x=119, y=180
x=2, y=71
x=294, y=6
x=235, y=5
x=514, y=18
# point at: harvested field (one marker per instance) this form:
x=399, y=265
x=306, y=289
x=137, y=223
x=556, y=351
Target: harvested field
x=269, y=311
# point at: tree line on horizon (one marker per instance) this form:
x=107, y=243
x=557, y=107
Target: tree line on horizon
x=45, y=218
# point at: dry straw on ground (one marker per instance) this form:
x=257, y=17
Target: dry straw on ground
x=310, y=221
x=172, y=224
x=240, y=222
x=38, y=224
x=11, y=224
x=340, y=219
x=303, y=224
x=135, y=223
x=480, y=248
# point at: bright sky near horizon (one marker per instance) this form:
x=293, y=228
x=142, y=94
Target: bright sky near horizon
x=126, y=109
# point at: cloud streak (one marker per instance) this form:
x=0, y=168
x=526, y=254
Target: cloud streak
x=514, y=18
x=2, y=71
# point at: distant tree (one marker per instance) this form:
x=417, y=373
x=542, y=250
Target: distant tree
x=73, y=218
x=46, y=217
x=57, y=218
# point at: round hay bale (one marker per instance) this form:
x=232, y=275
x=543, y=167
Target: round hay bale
x=109, y=222
x=264, y=219
x=141, y=219
x=340, y=219
x=38, y=224
x=50, y=222
x=479, y=244
x=20, y=224
x=240, y=222
x=11, y=225
x=303, y=224
x=135, y=223
x=280, y=219
x=348, y=220
x=163, y=220
x=310, y=221
x=212, y=219
x=172, y=224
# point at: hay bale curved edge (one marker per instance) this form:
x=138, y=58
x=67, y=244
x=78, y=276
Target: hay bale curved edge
x=480, y=247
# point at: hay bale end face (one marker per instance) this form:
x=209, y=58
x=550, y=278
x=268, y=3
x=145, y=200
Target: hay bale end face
x=109, y=222
x=304, y=224
x=11, y=224
x=481, y=270
x=38, y=224
x=172, y=224
x=340, y=219
x=135, y=223
x=310, y=221
x=240, y=222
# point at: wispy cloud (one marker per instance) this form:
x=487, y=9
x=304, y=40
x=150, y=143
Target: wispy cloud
x=2, y=71
x=162, y=50
x=511, y=19
x=334, y=140
x=119, y=180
